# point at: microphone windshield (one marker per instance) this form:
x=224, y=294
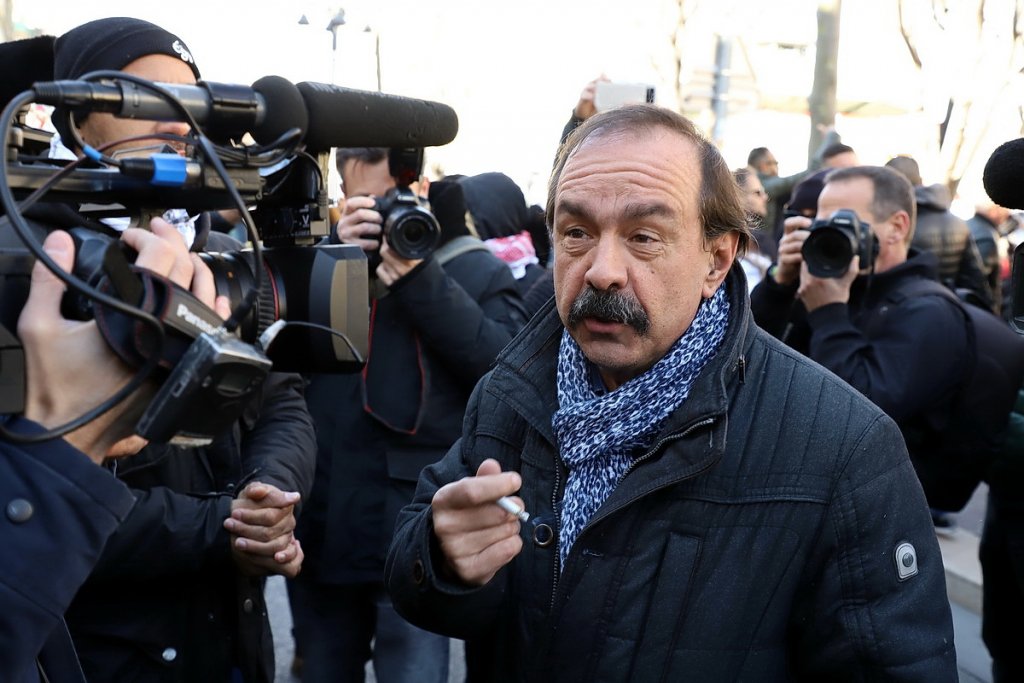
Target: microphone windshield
x=285, y=108
x=1003, y=176
x=342, y=117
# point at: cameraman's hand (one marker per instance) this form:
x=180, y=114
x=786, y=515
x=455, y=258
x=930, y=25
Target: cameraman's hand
x=585, y=108
x=69, y=368
x=162, y=250
x=392, y=266
x=789, y=257
x=262, y=523
x=816, y=292
x=360, y=224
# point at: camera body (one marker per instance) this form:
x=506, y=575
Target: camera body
x=411, y=230
x=835, y=240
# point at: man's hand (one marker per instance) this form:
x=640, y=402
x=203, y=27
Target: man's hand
x=585, y=108
x=476, y=536
x=392, y=266
x=360, y=224
x=69, y=368
x=262, y=523
x=789, y=257
x=816, y=292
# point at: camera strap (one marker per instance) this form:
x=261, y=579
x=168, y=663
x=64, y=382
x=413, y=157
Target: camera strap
x=183, y=316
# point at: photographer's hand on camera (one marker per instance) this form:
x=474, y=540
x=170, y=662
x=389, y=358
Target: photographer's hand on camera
x=262, y=523
x=69, y=367
x=816, y=292
x=360, y=224
x=392, y=266
x=789, y=259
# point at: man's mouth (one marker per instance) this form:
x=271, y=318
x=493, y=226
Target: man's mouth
x=602, y=325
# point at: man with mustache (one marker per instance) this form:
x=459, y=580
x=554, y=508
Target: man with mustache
x=704, y=504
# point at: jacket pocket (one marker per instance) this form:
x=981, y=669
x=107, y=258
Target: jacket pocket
x=667, y=606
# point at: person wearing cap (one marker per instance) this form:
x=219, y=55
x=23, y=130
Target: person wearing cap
x=177, y=593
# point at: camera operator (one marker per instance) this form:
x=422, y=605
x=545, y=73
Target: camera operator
x=437, y=324
x=60, y=508
x=177, y=593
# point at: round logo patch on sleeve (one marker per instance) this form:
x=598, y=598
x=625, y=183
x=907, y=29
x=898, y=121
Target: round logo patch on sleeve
x=906, y=561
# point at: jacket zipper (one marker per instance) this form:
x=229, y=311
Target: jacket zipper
x=650, y=452
x=558, y=523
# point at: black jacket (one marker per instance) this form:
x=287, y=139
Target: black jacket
x=757, y=540
x=908, y=364
x=947, y=236
x=432, y=337
x=166, y=602
x=59, y=511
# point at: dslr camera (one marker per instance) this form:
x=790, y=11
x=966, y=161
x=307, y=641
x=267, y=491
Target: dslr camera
x=410, y=229
x=835, y=240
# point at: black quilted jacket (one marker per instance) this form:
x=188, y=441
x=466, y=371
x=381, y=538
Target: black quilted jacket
x=756, y=541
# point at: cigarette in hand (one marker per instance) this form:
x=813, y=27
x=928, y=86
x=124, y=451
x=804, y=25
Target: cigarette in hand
x=506, y=504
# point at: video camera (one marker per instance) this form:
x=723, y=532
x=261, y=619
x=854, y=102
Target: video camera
x=833, y=243
x=298, y=303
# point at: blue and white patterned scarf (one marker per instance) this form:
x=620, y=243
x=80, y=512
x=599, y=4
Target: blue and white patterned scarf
x=598, y=436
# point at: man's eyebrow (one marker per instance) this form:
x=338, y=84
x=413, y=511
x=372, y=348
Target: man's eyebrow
x=573, y=209
x=632, y=211
x=636, y=211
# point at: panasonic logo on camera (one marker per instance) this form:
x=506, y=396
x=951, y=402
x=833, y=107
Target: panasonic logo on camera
x=194, y=320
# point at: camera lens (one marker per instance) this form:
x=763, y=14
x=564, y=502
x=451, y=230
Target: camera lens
x=828, y=252
x=412, y=232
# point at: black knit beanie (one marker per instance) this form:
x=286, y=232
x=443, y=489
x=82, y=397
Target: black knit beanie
x=112, y=43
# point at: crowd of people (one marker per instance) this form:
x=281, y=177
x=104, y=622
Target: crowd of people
x=683, y=422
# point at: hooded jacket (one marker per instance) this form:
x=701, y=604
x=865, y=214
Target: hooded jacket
x=760, y=538
x=947, y=236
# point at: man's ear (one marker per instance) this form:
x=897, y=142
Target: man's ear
x=721, y=256
x=900, y=227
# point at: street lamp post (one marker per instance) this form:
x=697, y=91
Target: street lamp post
x=376, y=50
x=337, y=20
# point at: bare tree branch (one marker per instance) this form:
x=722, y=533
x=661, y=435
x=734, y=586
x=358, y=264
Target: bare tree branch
x=908, y=39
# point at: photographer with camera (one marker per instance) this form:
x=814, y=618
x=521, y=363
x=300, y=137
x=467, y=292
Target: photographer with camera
x=849, y=292
x=60, y=508
x=178, y=592
x=437, y=321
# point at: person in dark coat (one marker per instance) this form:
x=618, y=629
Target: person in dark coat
x=985, y=231
x=946, y=235
x=701, y=503
x=436, y=326
x=60, y=507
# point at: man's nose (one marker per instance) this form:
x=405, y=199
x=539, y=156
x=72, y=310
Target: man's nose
x=609, y=265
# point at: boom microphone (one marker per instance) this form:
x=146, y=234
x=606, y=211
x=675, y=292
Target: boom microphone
x=1003, y=176
x=342, y=117
x=329, y=116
